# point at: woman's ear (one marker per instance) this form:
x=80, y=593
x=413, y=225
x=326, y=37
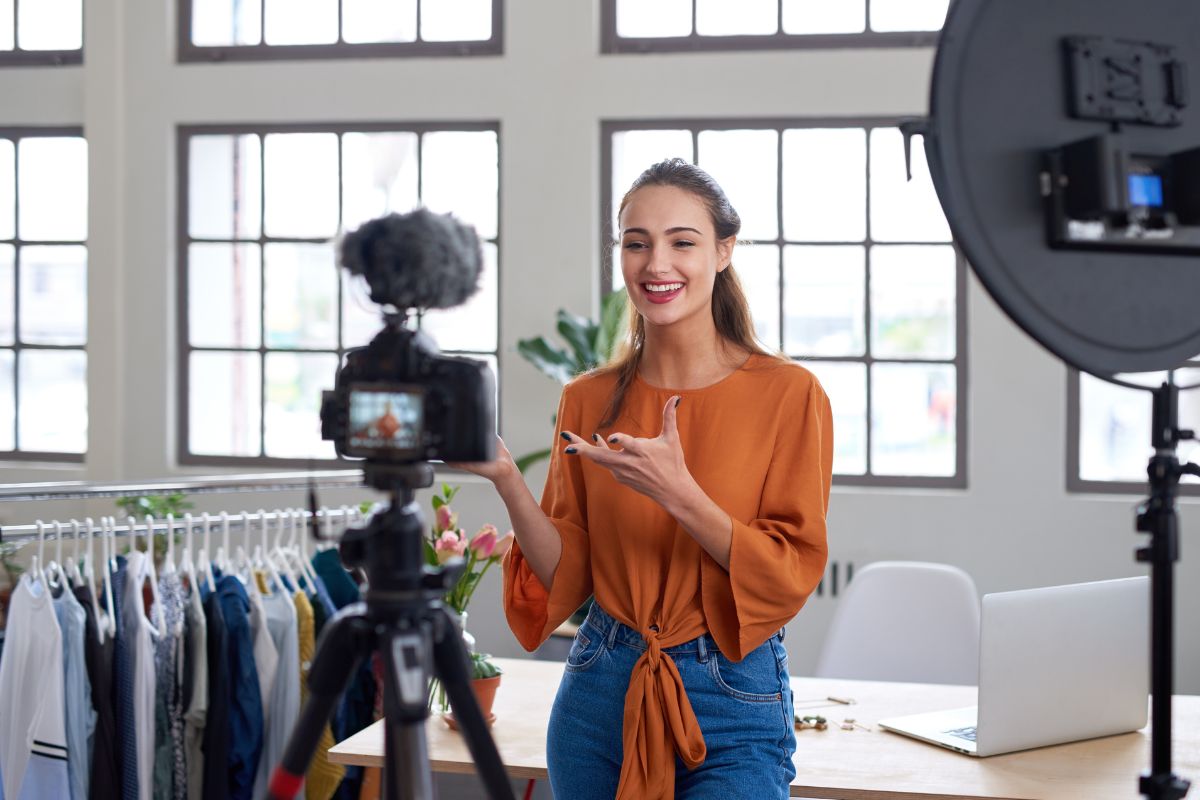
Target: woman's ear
x=725, y=252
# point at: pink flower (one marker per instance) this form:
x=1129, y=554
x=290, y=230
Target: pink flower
x=446, y=519
x=485, y=541
x=451, y=544
x=503, y=545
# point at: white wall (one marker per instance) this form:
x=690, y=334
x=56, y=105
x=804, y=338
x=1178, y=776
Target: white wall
x=1014, y=527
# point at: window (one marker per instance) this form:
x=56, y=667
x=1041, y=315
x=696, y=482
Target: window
x=43, y=294
x=266, y=313
x=849, y=269
x=41, y=32
x=245, y=30
x=637, y=26
x=1108, y=431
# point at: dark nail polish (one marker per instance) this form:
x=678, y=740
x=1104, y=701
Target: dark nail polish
x=613, y=440
x=571, y=450
x=677, y=399
x=595, y=437
x=566, y=436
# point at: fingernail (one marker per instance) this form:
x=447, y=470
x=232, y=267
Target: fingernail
x=677, y=399
x=566, y=436
x=571, y=450
x=613, y=440
x=595, y=437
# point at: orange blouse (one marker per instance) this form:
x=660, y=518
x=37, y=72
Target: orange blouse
x=759, y=443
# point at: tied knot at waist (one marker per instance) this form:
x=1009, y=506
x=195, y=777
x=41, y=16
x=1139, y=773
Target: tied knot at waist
x=653, y=647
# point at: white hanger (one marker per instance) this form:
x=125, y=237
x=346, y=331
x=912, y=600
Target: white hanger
x=149, y=572
x=310, y=573
x=186, y=565
x=73, y=568
x=281, y=554
x=35, y=568
x=169, y=563
x=206, y=554
x=223, y=550
x=56, y=577
x=110, y=568
x=89, y=579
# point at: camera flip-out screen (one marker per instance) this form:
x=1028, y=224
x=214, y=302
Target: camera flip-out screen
x=386, y=420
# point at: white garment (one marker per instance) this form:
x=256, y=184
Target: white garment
x=33, y=739
x=138, y=628
x=266, y=656
x=285, y=691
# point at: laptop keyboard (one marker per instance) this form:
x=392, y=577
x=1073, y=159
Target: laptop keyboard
x=963, y=733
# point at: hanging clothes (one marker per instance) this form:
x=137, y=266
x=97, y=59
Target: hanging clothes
x=246, y=709
x=323, y=777
x=104, y=780
x=141, y=645
x=170, y=777
x=79, y=716
x=123, y=659
x=284, y=706
x=266, y=657
x=33, y=741
x=195, y=691
x=217, y=724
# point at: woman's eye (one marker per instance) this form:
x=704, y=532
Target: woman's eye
x=685, y=243
x=634, y=245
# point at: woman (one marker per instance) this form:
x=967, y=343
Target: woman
x=689, y=497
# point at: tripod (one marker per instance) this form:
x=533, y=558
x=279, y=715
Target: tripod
x=1158, y=518
x=403, y=620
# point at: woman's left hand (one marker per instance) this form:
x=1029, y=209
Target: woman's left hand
x=654, y=467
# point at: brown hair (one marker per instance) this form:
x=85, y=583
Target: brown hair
x=730, y=309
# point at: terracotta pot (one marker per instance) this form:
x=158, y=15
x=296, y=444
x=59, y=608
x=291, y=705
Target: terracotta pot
x=485, y=693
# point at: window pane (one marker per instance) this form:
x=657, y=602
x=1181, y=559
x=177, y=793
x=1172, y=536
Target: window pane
x=912, y=301
x=8, y=187
x=379, y=175
x=53, y=190
x=6, y=43
x=8, y=409
x=456, y=20
x=723, y=18
x=301, y=22
x=361, y=319
x=8, y=328
x=1114, y=426
x=746, y=165
x=301, y=295
x=823, y=301
x=903, y=210
x=460, y=173
x=634, y=151
x=913, y=419
x=846, y=385
x=225, y=400
x=471, y=326
x=654, y=17
x=224, y=291
x=908, y=15
x=226, y=22
x=757, y=266
x=822, y=16
x=224, y=187
x=301, y=184
x=294, y=385
x=50, y=24
x=53, y=295
x=825, y=185
x=53, y=401
x=379, y=20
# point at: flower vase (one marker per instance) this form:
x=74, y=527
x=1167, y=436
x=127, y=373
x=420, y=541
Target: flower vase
x=468, y=639
x=438, y=699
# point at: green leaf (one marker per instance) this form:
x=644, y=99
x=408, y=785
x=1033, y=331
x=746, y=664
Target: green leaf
x=430, y=554
x=551, y=360
x=580, y=333
x=529, y=459
x=613, y=321
x=438, y=502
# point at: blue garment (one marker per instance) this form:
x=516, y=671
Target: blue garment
x=123, y=657
x=216, y=724
x=340, y=587
x=744, y=710
x=246, y=706
x=323, y=599
x=79, y=716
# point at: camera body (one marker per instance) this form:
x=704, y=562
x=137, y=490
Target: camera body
x=399, y=401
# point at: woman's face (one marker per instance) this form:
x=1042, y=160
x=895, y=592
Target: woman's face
x=670, y=255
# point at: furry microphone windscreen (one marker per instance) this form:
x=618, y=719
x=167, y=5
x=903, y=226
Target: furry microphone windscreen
x=415, y=260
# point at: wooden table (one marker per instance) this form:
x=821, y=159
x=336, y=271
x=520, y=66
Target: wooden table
x=856, y=765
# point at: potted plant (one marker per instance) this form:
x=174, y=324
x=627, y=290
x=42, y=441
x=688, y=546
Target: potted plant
x=447, y=541
x=12, y=572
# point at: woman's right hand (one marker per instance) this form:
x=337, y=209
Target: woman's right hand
x=502, y=468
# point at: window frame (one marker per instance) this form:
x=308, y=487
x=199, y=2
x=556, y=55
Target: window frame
x=183, y=348
x=1079, y=485
x=40, y=58
x=16, y=133
x=186, y=52
x=959, y=480
x=610, y=42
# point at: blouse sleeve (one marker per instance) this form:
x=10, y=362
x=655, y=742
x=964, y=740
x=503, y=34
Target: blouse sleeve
x=776, y=560
x=533, y=613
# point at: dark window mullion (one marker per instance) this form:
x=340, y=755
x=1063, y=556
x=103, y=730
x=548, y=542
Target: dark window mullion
x=779, y=234
x=262, y=282
x=17, y=252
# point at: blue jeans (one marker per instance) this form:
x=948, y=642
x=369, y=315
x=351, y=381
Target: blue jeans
x=744, y=710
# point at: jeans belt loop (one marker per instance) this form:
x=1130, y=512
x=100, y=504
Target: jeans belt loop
x=702, y=649
x=613, y=625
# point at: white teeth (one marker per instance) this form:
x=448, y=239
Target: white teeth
x=666, y=287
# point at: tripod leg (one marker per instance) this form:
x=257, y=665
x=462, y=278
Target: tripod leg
x=450, y=666
x=406, y=773
x=345, y=642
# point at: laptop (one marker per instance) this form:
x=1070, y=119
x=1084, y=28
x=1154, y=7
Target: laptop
x=1056, y=665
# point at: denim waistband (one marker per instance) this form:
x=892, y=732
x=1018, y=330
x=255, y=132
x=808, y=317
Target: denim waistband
x=614, y=631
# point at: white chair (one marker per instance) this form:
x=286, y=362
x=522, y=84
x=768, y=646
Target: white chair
x=905, y=621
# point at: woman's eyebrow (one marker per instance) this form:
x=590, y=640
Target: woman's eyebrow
x=668, y=231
